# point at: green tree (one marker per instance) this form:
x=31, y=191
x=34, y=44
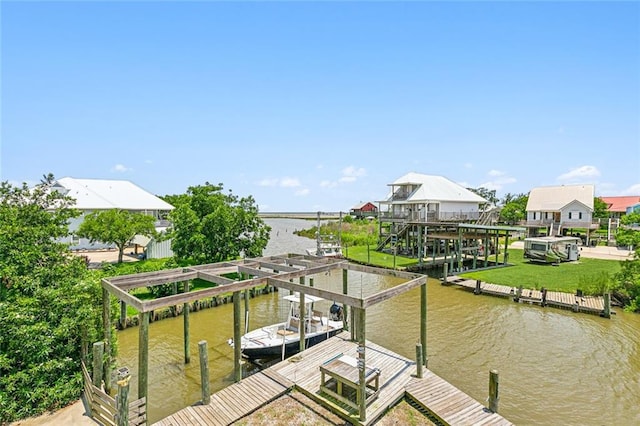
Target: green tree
x=626, y=283
x=117, y=227
x=209, y=226
x=600, y=209
x=48, y=307
x=515, y=208
x=487, y=194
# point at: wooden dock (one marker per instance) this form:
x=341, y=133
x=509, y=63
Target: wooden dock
x=557, y=299
x=397, y=381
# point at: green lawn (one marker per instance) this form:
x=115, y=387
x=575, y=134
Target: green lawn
x=588, y=275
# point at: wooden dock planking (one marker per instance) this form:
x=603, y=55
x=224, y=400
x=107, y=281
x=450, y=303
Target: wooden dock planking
x=587, y=304
x=233, y=402
x=397, y=381
x=449, y=404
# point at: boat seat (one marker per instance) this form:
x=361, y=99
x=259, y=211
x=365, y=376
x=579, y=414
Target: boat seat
x=294, y=323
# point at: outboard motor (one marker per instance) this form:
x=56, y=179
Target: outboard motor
x=336, y=312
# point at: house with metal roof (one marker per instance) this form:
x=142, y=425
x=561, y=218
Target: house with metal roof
x=560, y=208
x=104, y=194
x=364, y=210
x=417, y=199
x=619, y=206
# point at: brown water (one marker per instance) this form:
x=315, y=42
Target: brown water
x=556, y=367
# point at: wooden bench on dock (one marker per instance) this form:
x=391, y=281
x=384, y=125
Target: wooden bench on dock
x=343, y=372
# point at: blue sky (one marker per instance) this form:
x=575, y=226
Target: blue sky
x=319, y=105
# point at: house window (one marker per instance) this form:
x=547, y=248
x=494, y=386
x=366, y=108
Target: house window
x=546, y=215
x=580, y=215
x=534, y=215
x=75, y=240
x=569, y=215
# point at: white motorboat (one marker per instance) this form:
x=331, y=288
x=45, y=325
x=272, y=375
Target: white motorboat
x=283, y=339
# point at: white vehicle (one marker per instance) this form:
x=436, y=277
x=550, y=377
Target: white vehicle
x=552, y=249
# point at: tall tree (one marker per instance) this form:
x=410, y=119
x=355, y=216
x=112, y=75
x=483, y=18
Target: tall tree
x=487, y=194
x=117, y=227
x=48, y=307
x=515, y=208
x=209, y=226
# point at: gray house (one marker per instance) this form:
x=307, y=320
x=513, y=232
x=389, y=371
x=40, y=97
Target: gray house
x=102, y=194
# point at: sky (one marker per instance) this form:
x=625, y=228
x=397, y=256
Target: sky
x=318, y=106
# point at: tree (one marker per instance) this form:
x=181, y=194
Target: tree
x=489, y=195
x=600, y=209
x=626, y=283
x=515, y=208
x=116, y=227
x=209, y=226
x=49, y=308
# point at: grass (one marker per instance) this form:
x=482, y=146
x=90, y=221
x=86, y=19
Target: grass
x=589, y=275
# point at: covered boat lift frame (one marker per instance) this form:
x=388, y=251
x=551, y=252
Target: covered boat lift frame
x=277, y=271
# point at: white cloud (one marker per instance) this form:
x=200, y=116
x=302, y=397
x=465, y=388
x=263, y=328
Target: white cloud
x=285, y=182
x=302, y=192
x=498, y=184
x=496, y=173
x=632, y=190
x=354, y=172
x=580, y=173
x=121, y=168
x=328, y=184
x=468, y=165
x=268, y=182
x=148, y=161
x=348, y=179
x=288, y=182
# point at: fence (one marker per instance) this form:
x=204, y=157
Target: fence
x=104, y=408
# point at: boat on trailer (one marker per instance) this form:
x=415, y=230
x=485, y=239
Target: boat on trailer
x=283, y=338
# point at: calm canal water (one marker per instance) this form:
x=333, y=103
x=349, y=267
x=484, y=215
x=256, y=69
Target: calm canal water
x=556, y=367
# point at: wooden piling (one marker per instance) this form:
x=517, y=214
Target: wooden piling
x=106, y=320
x=423, y=322
x=607, y=305
x=122, y=323
x=478, y=289
x=445, y=273
x=345, y=308
x=518, y=294
x=143, y=355
x=122, y=401
x=362, y=391
x=185, y=316
x=419, y=361
x=302, y=327
x=204, y=371
x=237, y=338
x=493, y=391
x=98, y=355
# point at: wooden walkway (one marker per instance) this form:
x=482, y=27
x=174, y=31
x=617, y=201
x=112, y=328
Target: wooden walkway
x=587, y=304
x=302, y=372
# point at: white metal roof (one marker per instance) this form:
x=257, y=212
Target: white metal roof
x=103, y=194
x=436, y=188
x=554, y=198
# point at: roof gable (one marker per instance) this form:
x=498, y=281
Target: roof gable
x=554, y=198
x=437, y=188
x=103, y=194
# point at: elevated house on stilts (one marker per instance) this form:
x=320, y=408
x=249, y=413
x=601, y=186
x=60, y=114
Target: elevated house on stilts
x=440, y=222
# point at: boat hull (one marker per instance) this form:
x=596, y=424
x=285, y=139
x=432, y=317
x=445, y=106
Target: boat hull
x=291, y=347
